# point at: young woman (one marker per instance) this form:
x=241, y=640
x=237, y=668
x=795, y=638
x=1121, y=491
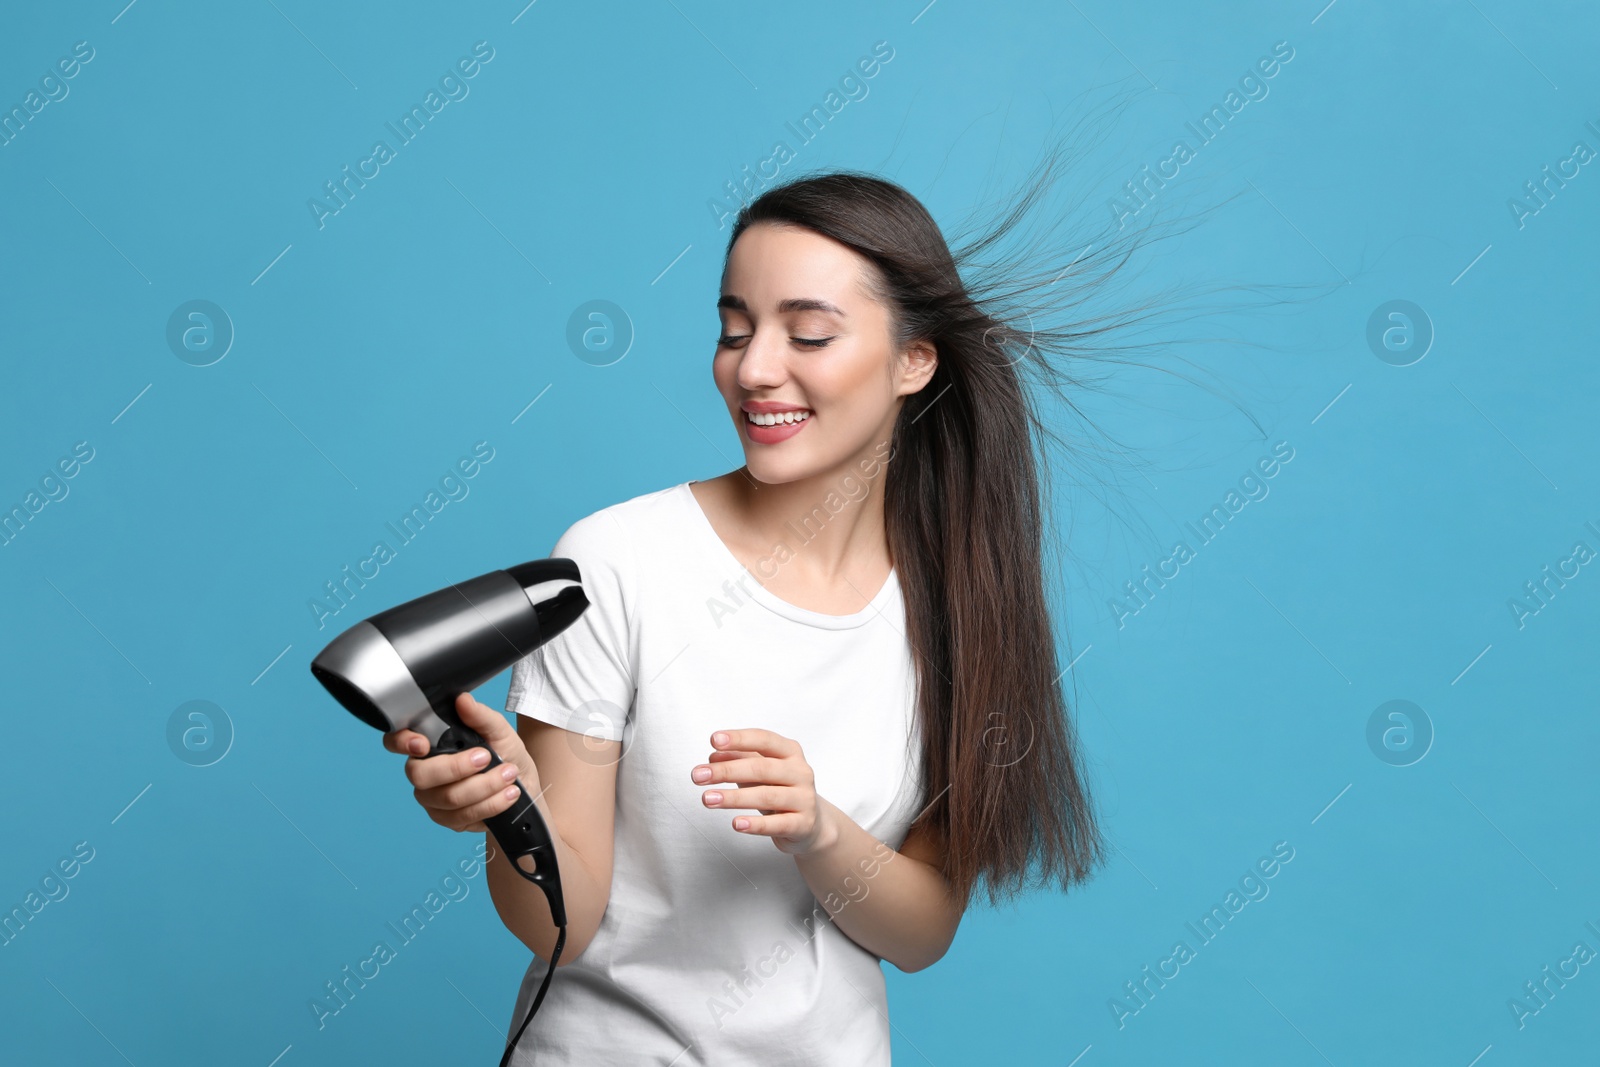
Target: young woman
x=815, y=701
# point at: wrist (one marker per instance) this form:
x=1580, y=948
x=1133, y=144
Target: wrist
x=829, y=827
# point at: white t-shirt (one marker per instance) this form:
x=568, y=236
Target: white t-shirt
x=713, y=949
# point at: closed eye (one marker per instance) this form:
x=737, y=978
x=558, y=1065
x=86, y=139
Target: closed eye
x=814, y=342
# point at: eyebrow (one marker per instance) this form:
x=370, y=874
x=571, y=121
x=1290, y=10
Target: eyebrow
x=727, y=300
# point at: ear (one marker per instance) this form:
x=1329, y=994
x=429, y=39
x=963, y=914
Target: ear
x=917, y=365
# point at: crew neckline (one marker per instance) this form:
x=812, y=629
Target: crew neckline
x=770, y=600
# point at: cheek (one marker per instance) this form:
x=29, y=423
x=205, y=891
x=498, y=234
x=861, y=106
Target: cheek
x=859, y=385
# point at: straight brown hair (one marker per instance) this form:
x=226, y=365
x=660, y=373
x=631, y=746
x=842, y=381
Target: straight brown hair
x=966, y=496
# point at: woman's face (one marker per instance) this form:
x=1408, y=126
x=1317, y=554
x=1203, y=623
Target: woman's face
x=800, y=333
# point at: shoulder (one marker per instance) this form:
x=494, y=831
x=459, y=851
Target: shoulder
x=614, y=536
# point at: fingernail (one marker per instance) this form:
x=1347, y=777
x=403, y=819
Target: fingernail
x=741, y=824
x=719, y=738
x=508, y=772
x=713, y=798
x=479, y=757
x=416, y=747
x=702, y=774
x=511, y=794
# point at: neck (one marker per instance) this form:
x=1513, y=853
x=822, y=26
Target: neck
x=832, y=522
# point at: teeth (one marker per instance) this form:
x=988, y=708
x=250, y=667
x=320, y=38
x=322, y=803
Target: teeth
x=778, y=419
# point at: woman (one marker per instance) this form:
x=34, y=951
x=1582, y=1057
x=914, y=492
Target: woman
x=814, y=701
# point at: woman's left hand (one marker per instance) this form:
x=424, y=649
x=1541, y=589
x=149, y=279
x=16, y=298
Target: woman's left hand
x=774, y=778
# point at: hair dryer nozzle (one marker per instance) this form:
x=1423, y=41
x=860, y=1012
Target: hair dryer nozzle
x=362, y=671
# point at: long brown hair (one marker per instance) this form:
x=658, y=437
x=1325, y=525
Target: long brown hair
x=966, y=499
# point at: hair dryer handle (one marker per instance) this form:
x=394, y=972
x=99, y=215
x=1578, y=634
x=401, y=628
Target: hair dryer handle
x=520, y=829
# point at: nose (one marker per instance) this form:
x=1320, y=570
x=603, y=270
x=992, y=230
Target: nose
x=761, y=362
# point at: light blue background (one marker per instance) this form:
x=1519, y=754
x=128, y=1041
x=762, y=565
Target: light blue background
x=427, y=315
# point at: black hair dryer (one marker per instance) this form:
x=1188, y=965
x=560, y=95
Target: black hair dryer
x=403, y=669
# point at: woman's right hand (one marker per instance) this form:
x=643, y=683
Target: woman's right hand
x=455, y=790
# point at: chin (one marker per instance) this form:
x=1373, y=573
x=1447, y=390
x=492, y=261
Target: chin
x=775, y=470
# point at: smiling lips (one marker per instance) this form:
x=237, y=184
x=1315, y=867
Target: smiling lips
x=768, y=427
x=777, y=418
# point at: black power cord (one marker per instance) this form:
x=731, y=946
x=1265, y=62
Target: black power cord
x=561, y=939
x=524, y=835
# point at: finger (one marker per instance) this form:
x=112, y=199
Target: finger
x=485, y=809
x=759, y=797
x=724, y=757
x=758, y=770
x=432, y=772
x=464, y=799
x=786, y=824
x=405, y=742
x=469, y=791
x=489, y=723
x=501, y=735
x=763, y=741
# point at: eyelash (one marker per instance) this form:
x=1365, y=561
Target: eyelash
x=819, y=342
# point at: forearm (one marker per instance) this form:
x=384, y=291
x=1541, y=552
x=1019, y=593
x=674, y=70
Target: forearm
x=898, y=908
x=525, y=910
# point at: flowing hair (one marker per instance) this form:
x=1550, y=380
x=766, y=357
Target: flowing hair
x=966, y=496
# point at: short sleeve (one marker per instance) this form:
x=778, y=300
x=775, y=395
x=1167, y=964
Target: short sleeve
x=583, y=678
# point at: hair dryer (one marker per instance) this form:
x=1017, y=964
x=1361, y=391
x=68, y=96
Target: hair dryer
x=403, y=669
